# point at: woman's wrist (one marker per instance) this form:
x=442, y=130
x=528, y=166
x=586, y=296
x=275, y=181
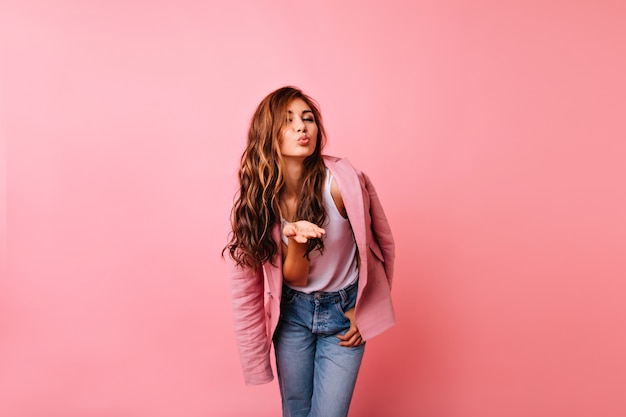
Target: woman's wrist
x=297, y=246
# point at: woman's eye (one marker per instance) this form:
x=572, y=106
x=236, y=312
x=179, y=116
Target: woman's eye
x=308, y=119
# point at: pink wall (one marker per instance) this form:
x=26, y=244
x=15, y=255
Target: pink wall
x=495, y=136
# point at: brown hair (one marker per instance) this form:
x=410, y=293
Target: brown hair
x=261, y=178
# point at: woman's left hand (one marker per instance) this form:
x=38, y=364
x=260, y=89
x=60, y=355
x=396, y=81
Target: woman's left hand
x=352, y=337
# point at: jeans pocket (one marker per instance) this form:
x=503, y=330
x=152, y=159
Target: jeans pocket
x=340, y=308
x=346, y=304
x=349, y=301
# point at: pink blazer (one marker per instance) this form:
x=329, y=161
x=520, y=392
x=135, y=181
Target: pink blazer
x=256, y=294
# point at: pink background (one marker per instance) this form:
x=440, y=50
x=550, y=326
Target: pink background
x=494, y=132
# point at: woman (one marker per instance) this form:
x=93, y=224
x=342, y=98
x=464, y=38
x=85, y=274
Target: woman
x=311, y=260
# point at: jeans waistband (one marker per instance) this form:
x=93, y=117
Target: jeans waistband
x=343, y=293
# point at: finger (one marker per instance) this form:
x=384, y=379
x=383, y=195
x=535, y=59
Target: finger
x=312, y=229
x=348, y=335
x=344, y=336
x=309, y=235
x=309, y=232
x=355, y=340
x=289, y=230
x=307, y=228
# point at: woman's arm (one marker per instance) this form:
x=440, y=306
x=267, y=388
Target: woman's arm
x=295, y=263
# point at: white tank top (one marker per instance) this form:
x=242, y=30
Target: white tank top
x=337, y=267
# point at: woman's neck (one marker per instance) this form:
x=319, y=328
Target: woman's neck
x=291, y=189
x=293, y=177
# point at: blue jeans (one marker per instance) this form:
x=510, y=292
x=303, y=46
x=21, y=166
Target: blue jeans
x=316, y=376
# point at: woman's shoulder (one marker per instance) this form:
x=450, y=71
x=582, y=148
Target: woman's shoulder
x=335, y=163
x=332, y=161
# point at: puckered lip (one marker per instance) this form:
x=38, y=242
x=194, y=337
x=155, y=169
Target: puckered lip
x=303, y=140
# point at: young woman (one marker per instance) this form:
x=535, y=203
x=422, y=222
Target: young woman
x=311, y=257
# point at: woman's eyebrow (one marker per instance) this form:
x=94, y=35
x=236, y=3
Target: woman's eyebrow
x=303, y=111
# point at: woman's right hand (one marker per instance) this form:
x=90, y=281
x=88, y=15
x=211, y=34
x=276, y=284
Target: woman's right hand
x=302, y=230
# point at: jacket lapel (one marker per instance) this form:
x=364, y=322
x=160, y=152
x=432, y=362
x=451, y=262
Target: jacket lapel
x=350, y=187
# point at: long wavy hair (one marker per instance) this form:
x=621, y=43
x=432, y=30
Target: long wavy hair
x=261, y=179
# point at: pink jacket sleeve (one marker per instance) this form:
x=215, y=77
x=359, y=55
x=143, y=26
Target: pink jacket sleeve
x=250, y=325
x=381, y=229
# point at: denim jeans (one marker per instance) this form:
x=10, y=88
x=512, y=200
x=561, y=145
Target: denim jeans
x=316, y=376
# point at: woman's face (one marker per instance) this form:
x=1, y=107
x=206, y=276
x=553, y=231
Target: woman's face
x=299, y=134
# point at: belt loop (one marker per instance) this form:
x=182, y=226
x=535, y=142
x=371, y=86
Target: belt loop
x=343, y=294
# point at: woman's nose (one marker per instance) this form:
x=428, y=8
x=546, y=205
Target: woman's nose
x=300, y=126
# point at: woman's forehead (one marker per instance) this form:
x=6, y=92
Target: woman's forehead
x=297, y=105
